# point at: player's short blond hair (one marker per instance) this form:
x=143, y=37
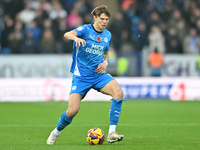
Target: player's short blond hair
x=102, y=9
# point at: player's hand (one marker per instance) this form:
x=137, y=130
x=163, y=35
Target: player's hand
x=101, y=68
x=80, y=41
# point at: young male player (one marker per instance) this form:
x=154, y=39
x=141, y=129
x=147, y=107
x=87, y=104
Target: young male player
x=90, y=59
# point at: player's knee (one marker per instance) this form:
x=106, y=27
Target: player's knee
x=118, y=94
x=71, y=113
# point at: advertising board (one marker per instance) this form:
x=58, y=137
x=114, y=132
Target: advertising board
x=35, y=66
x=58, y=89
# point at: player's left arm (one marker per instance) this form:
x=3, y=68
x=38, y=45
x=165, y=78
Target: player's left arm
x=102, y=66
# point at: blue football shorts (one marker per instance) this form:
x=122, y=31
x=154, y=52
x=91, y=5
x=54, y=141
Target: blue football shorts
x=82, y=85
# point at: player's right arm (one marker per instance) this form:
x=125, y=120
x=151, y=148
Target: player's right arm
x=72, y=35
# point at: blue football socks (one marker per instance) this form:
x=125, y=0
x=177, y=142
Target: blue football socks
x=115, y=111
x=63, y=122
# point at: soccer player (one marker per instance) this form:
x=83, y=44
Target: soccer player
x=90, y=59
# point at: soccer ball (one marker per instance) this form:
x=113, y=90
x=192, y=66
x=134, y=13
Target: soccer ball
x=95, y=136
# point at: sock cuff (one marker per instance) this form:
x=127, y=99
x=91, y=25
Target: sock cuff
x=117, y=100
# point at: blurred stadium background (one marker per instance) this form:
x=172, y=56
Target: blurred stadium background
x=35, y=58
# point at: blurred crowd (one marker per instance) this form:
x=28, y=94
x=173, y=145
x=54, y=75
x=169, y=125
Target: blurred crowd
x=171, y=26
x=37, y=26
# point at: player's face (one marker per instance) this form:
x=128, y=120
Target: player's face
x=101, y=22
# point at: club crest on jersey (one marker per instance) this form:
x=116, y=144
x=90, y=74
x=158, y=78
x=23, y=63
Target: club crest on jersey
x=98, y=39
x=80, y=28
x=105, y=40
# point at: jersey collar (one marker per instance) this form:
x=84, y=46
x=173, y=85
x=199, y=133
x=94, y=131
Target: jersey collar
x=94, y=28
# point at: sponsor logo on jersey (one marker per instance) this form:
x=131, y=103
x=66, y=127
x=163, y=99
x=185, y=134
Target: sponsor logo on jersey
x=95, y=49
x=105, y=40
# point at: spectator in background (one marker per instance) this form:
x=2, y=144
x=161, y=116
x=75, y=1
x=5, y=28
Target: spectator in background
x=46, y=5
x=127, y=48
x=36, y=31
x=162, y=13
x=176, y=17
x=16, y=42
x=87, y=18
x=27, y=15
x=80, y=14
x=60, y=41
x=155, y=62
x=163, y=28
x=80, y=7
x=41, y=15
x=54, y=27
x=194, y=14
x=198, y=26
x=68, y=4
x=29, y=45
x=19, y=26
x=2, y=23
x=145, y=11
x=141, y=36
x=57, y=11
x=12, y=7
x=173, y=44
x=126, y=4
x=198, y=65
x=9, y=26
x=167, y=11
x=181, y=31
x=16, y=38
x=62, y=28
x=191, y=44
x=47, y=24
x=64, y=46
x=122, y=66
x=48, y=42
x=112, y=67
x=185, y=9
x=156, y=40
x=74, y=19
x=153, y=20
x=118, y=28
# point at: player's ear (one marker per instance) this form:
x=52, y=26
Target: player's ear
x=94, y=17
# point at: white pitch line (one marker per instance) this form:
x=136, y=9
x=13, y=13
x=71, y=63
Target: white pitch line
x=123, y=125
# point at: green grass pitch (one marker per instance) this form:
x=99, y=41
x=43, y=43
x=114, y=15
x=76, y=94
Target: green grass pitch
x=146, y=125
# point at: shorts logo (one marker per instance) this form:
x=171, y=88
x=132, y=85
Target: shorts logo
x=98, y=39
x=74, y=87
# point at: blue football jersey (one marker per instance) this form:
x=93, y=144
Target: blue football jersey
x=86, y=59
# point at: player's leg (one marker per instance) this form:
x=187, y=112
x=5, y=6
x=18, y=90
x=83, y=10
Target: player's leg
x=73, y=108
x=113, y=88
x=79, y=89
x=66, y=117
